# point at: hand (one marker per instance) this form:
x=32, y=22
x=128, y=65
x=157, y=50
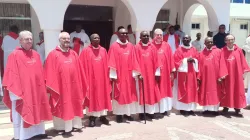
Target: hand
x=81, y=43
x=172, y=76
x=140, y=77
x=198, y=82
x=157, y=78
x=112, y=79
x=190, y=60
x=220, y=80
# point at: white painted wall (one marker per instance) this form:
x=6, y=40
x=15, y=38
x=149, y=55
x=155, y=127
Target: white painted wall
x=95, y=2
x=174, y=7
x=240, y=34
x=203, y=27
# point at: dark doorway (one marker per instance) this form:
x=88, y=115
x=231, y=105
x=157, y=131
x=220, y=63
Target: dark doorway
x=94, y=19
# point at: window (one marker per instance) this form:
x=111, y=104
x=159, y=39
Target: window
x=195, y=26
x=243, y=26
x=247, y=1
x=237, y=1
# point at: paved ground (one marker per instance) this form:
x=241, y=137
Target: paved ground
x=172, y=127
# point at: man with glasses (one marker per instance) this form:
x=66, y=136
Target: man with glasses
x=166, y=62
x=124, y=68
x=219, y=38
x=25, y=92
x=66, y=84
x=234, y=93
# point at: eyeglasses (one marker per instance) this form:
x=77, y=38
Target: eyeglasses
x=145, y=36
x=124, y=33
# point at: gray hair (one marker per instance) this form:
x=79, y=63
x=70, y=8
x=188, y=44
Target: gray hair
x=63, y=33
x=158, y=31
x=24, y=33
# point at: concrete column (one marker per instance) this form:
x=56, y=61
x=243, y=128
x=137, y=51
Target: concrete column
x=51, y=40
x=143, y=17
x=35, y=26
x=51, y=20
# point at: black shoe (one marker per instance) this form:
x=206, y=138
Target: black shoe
x=151, y=116
x=205, y=112
x=191, y=113
x=215, y=113
x=41, y=136
x=92, y=121
x=238, y=113
x=104, y=120
x=184, y=113
x=119, y=119
x=129, y=118
x=165, y=113
x=142, y=117
x=225, y=110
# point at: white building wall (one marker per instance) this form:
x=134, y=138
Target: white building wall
x=203, y=27
x=240, y=34
x=174, y=7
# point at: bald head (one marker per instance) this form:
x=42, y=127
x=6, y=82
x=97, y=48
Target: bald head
x=158, y=31
x=144, y=36
x=95, y=40
x=123, y=35
x=186, y=40
x=209, y=42
x=64, y=39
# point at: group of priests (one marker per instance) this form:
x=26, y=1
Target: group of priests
x=147, y=78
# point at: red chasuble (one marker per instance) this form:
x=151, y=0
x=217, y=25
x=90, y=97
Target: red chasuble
x=1, y=56
x=66, y=82
x=165, y=60
x=24, y=78
x=122, y=58
x=77, y=45
x=95, y=65
x=176, y=37
x=211, y=69
x=187, y=81
x=147, y=60
x=234, y=95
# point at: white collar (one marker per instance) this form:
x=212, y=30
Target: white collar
x=144, y=44
x=187, y=47
x=209, y=49
x=230, y=49
x=119, y=41
x=95, y=48
x=62, y=49
x=158, y=42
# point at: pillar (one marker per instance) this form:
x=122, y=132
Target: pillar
x=143, y=17
x=51, y=16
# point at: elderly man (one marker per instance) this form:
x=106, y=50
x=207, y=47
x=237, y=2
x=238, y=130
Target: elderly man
x=234, y=95
x=210, y=66
x=66, y=84
x=79, y=39
x=95, y=64
x=25, y=92
x=186, y=63
x=40, y=48
x=147, y=59
x=124, y=68
x=166, y=62
x=10, y=42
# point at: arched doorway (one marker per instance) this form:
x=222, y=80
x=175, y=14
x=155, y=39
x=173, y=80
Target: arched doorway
x=93, y=18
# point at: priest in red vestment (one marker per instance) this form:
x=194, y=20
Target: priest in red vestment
x=165, y=72
x=95, y=64
x=66, y=84
x=25, y=92
x=172, y=39
x=186, y=63
x=234, y=95
x=211, y=71
x=124, y=70
x=147, y=59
